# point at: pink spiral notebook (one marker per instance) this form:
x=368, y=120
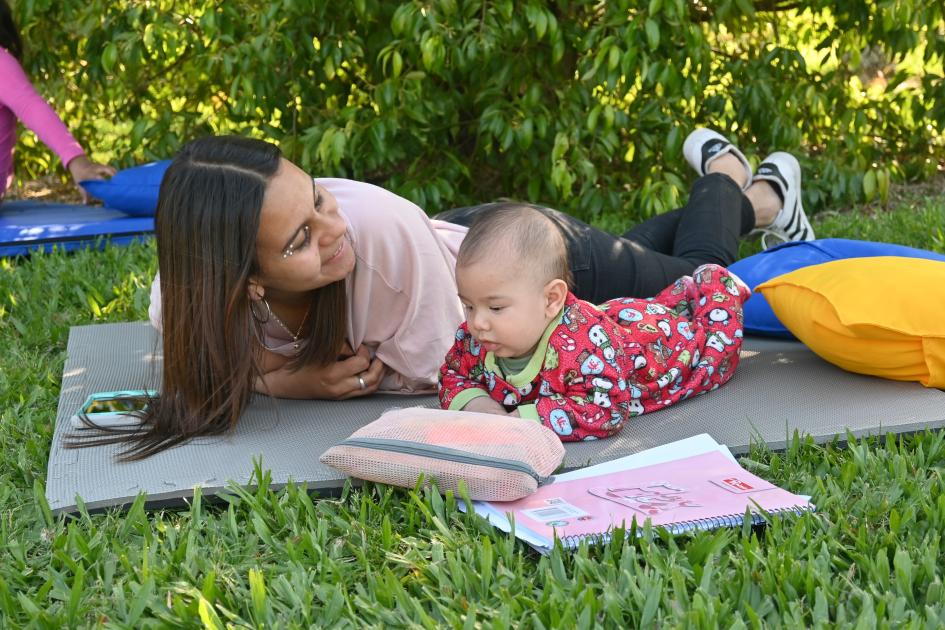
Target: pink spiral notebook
x=701, y=492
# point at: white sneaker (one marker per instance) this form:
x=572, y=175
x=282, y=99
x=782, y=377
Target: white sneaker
x=702, y=146
x=782, y=170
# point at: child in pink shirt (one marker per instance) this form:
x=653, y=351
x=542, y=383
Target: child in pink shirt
x=18, y=99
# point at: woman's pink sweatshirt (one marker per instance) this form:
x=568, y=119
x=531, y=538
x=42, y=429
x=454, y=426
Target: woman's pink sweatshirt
x=402, y=302
x=18, y=99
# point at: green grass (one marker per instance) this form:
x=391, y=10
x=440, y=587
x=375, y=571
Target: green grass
x=871, y=557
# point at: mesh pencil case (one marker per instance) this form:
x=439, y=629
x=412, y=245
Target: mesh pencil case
x=501, y=458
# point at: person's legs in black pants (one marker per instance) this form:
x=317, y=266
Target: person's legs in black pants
x=704, y=230
x=652, y=255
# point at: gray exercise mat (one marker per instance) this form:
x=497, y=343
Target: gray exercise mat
x=779, y=387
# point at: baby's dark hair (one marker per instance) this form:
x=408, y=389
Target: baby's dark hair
x=519, y=237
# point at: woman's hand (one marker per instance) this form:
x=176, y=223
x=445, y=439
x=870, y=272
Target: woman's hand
x=349, y=377
x=82, y=169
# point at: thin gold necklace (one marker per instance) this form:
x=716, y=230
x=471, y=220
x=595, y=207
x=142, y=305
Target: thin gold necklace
x=294, y=335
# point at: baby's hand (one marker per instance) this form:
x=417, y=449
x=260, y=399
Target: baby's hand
x=484, y=404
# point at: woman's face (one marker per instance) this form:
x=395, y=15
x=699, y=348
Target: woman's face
x=301, y=243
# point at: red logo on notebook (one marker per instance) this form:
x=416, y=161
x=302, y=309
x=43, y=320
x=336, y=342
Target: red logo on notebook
x=738, y=484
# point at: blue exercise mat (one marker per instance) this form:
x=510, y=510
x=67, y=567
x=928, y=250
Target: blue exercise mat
x=27, y=226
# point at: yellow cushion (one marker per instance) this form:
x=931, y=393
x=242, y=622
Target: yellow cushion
x=883, y=316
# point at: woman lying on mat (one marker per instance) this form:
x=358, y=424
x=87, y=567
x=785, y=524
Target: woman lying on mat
x=271, y=282
x=530, y=348
x=18, y=99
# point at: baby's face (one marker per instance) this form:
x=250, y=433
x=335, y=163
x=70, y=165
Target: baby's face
x=504, y=307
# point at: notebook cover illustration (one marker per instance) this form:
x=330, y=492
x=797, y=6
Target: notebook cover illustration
x=707, y=489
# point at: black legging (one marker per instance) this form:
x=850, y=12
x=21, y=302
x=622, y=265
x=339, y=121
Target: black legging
x=650, y=256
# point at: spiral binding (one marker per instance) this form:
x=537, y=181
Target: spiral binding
x=695, y=525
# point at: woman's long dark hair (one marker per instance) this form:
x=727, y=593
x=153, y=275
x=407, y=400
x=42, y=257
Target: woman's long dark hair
x=9, y=34
x=206, y=224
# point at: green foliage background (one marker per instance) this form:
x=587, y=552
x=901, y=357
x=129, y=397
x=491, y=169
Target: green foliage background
x=581, y=105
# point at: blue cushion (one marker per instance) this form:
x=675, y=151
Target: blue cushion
x=134, y=191
x=787, y=257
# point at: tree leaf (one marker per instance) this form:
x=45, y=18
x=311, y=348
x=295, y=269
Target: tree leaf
x=869, y=185
x=652, y=33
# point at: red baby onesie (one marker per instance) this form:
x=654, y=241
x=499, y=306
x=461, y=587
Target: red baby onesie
x=604, y=364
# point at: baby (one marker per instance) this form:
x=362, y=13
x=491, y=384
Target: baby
x=530, y=348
